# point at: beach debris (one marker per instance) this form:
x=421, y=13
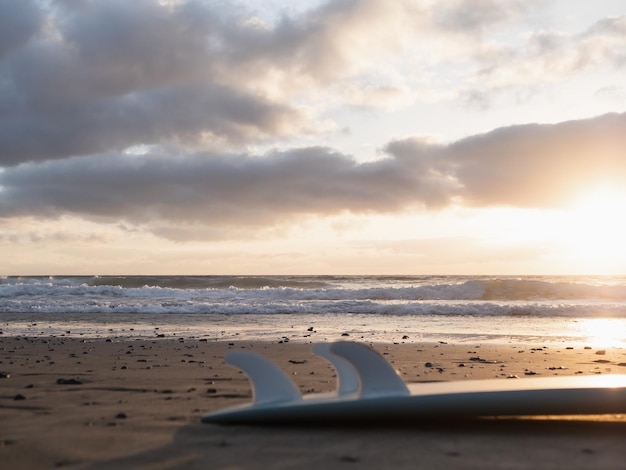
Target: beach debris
x=345, y=334
x=405, y=337
x=480, y=359
x=121, y=416
x=68, y=382
x=293, y=361
x=19, y=397
x=310, y=328
x=601, y=352
x=5, y=375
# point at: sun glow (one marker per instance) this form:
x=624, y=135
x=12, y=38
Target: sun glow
x=592, y=231
x=603, y=332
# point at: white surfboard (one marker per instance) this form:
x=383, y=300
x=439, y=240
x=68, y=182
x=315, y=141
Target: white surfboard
x=369, y=388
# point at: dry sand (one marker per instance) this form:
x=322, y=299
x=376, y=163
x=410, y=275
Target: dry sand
x=72, y=403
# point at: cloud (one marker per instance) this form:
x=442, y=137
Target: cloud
x=109, y=75
x=528, y=165
x=524, y=166
x=19, y=21
x=546, y=57
x=210, y=188
x=474, y=16
x=104, y=75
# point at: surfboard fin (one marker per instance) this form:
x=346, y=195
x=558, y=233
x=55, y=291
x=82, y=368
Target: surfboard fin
x=347, y=377
x=376, y=376
x=269, y=383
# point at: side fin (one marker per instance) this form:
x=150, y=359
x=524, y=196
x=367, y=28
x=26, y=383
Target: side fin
x=269, y=382
x=347, y=378
x=376, y=375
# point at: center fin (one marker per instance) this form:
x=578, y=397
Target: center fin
x=376, y=375
x=347, y=378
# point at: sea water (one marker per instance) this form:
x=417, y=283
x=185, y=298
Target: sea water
x=463, y=309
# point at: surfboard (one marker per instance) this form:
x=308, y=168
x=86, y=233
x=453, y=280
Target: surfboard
x=369, y=389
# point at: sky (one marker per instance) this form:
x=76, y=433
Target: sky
x=312, y=137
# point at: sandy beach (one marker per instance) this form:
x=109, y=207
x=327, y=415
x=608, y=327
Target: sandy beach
x=96, y=404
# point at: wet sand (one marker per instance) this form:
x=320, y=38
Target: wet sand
x=72, y=403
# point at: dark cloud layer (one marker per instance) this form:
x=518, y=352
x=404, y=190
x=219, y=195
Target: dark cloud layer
x=84, y=77
x=109, y=74
x=212, y=188
x=524, y=166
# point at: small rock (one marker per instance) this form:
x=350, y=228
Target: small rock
x=601, y=352
x=121, y=416
x=19, y=397
x=345, y=334
x=428, y=364
x=310, y=328
x=5, y=375
x=405, y=337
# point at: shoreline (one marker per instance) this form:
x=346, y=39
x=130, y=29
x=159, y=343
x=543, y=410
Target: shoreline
x=79, y=403
x=550, y=332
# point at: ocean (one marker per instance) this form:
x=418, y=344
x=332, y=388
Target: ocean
x=547, y=310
